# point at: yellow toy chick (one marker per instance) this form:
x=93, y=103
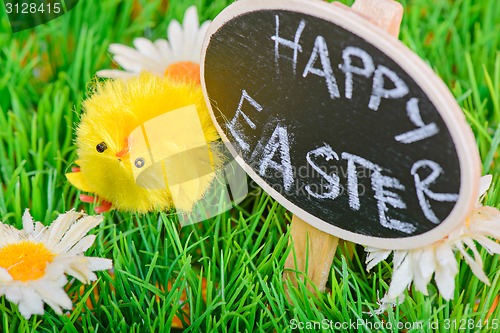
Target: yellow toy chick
x=143, y=145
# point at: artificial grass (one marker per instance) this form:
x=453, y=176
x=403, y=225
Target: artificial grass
x=225, y=273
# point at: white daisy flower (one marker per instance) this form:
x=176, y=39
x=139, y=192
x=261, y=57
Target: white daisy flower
x=34, y=261
x=182, y=48
x=419, y=265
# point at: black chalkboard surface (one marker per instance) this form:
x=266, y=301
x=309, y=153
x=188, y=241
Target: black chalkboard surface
x=339, y=122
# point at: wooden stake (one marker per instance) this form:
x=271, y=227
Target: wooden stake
x=319, y=246
x=387, y=14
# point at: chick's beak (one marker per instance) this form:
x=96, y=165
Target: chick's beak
x=125, y=150
x=122, y=152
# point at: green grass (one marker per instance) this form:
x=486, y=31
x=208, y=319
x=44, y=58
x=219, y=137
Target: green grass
x=44, y=74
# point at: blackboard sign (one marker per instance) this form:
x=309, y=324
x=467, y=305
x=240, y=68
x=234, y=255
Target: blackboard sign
x=339, y=122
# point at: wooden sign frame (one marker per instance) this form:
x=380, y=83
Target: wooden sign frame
x=420, y=72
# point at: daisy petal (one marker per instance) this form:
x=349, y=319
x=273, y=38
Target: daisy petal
x=445, y=280
x=484, y=185
x=81, y=273
x=147, y=48
x=14, y=294
x=470, y=244
x=4, y=275
x=9, y=234
x=28, y=224
x=166, y=53
x=201, y=37
x=427, y=263
x=122, y=50
x=376, y=256
x=175, y=38
x=129, y=64
x=488, y=244
x=399, y=257
x=83, y=245
x=401, y=277
x=40, y=231
x=190, y=26
x=31, y=303
x=77, y=231
x=475, y=265
x=54, y=295
x=190, y=18
x=59, y=227
x=114, y=74
x=419, y=280
x=446, y=271
x=99, y=264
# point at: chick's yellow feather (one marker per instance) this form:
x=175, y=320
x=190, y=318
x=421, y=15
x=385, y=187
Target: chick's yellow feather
x=113, y=111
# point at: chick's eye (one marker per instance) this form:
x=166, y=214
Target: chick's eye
x=101, y=147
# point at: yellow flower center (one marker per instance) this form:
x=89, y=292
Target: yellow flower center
x=25, y=260
x=187, y=71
